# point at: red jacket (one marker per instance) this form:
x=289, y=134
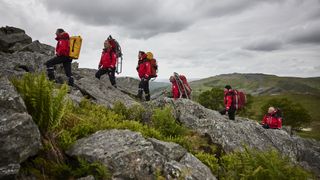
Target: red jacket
x=62, y=48
x=228, y=96
x=175, y=90
x=144, y=68
x=272, y=121
x=108, y=59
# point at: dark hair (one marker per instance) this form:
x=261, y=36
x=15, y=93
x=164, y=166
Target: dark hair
x=227, y=87
x=60, y=30
x=141, y=52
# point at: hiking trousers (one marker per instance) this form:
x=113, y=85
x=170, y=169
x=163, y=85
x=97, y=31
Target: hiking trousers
x=231, y=113
x=66, y=61
x=110, y=72
x=144, y=86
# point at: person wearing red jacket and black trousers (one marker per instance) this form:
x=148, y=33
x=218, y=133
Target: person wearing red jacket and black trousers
x=62, y=56
x=272, y=119
x=228, y=102
x=144, y=71
x=108, y=62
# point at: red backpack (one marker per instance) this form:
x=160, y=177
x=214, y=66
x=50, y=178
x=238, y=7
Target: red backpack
x=239, y=99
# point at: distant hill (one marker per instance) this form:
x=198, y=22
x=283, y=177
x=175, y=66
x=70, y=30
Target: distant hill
x=260, y=84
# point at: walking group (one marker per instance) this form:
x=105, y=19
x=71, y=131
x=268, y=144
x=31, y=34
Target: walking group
x=68, y=48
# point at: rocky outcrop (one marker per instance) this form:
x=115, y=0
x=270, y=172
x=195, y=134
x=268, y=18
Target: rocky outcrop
x=102, y=92
x=232, y=135
x=12, y=39
x=20, y=137
x=128, y=155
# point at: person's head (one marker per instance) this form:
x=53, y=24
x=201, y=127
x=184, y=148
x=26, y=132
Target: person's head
x=59, y=31
x=227, y=88
x=141, y=54
x=171, y=79
x=106, y=44
x=271, y=110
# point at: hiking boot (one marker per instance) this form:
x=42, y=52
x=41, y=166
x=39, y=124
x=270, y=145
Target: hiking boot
x=147, y=97
x=139, y=95
x=71, y=81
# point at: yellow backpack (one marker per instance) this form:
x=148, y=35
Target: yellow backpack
x=75, y=47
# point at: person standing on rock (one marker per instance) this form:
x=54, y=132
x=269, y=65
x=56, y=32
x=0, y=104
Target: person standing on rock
x=228, y=102
x=108, y=62
x=144, y=72
x=62, y=57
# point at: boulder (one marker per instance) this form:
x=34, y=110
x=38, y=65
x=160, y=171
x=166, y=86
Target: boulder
x=102, y=92
x=128, y=155
x=38, y=47
x=20, y=137
x=10, y=37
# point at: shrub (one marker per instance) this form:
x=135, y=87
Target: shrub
x=254, y=164
x=44, y=103
x=210, y=160
x=163, y=120
x=212, y=99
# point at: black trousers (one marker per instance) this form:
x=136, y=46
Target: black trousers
x=110, y=72
x=66, y=61
x=144, y=86
x=231, y=113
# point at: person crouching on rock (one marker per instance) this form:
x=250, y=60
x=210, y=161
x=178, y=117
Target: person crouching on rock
x=228, y=102
x=272, y=119
x=108, y=62
x=62, y=56
x=144, y=72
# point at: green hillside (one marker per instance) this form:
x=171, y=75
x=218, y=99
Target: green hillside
x=260, y=84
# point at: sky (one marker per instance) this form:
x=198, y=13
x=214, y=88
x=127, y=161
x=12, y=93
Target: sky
x=197, y=38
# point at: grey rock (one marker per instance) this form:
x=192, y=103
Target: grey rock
x=189, y=168
x=128, y=155
x=170, y=150
x=38, y=47
x=87, y=178
x=20, y=137
x=10, y=36
x=102, y=91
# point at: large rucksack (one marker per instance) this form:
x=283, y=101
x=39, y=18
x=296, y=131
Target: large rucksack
x=153, y=64
x=183, y=85
x=239, y=99
x=75, y=46
x=117, y=49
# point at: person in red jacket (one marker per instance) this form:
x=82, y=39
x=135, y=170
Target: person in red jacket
x=62, y=56
x=175, y=87
x=272, y=120
x=107, y=64
x=144, y=72
x=228, y=102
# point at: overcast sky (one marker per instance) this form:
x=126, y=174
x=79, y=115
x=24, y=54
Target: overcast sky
x=198, y=38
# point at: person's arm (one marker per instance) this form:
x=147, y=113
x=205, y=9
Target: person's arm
x=264, y=120
x=113, y=60
x=147, y=70
x=229, y=101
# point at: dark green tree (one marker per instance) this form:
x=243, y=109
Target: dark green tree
x=294, y=114
x=212, y=99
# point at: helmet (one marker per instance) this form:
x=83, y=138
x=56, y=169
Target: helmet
x=149, y=55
